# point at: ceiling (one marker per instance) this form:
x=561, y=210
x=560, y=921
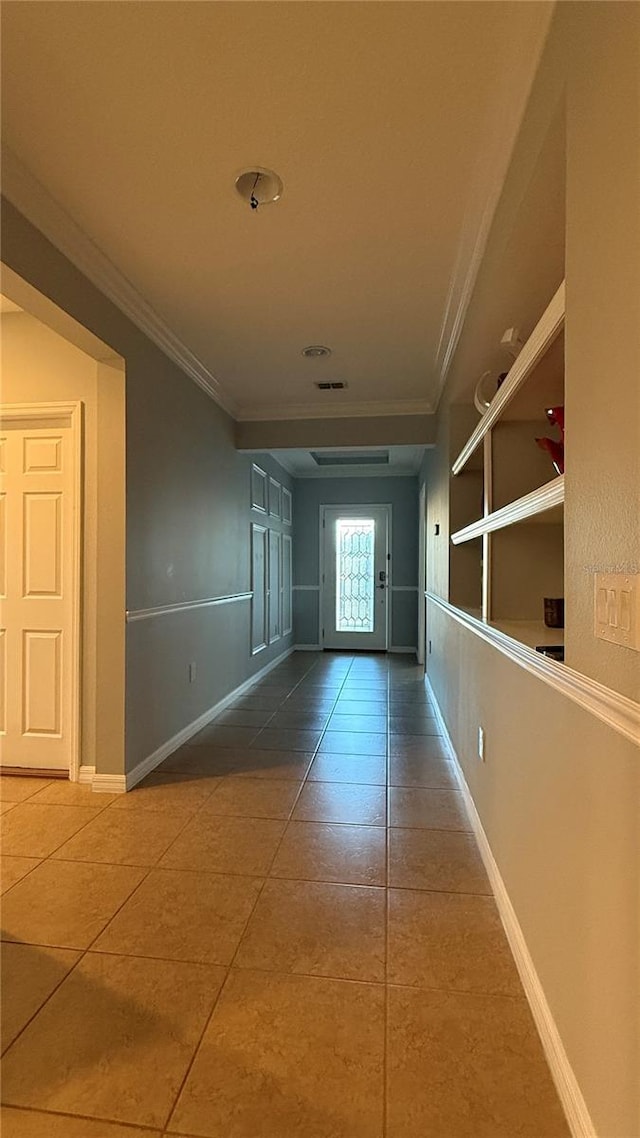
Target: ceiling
x=387, y=123
x=350, y=462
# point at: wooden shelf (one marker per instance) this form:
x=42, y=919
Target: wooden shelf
x=545, y=332
x=544, y=505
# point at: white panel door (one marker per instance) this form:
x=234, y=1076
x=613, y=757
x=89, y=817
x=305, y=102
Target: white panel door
x=37, y=571
x=285, y=585
x=259, y=557
x=275, y=600
x=355, y=577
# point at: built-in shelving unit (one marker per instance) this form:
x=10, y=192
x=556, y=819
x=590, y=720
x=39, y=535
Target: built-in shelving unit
x=545, y=332
x=520, y=523
x=541, y=505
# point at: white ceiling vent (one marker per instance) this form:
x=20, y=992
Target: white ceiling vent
x=328, y=385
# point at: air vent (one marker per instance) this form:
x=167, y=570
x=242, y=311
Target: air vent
x=357, y=458
x=326, y=386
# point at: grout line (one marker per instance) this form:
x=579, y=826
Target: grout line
x=83, y=952
x=230, y=965
x=191, y=815
x=84, y=825
x=135, y=1126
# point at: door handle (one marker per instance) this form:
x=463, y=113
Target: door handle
x=379, y=586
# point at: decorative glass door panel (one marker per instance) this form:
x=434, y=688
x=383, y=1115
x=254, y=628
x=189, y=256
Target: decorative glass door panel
x=355, y=577
x=354, y=574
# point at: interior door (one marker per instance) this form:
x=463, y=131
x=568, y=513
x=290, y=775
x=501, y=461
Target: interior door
x=37, y=488
x=355, y=577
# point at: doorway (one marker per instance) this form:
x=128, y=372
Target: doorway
x=422, y=576
x=41, y=449
x=63, y=425
x=354, y=575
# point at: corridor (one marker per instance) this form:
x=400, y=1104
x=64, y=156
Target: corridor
x=285, y=932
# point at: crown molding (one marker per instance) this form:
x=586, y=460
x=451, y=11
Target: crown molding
x=263, y=412
x=34, y=201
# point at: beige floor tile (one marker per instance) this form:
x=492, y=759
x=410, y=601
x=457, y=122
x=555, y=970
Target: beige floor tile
x=418, y=747
x=342, y=802
x=36, y=831
x=436, y=774
x=29, y=976
x=66, y=903
x=168, y=793
x=5, y=807
x=14, y=788
x=61, y=792
x=318, y=851
x=130, y=1030
x=370, y=769
x=431, y=809
x=239, y=762
x=179, y=915
x=318, y=929
x=13, y=869
x=253, y=798
x=466, y=1066
x=288, y=1057
x=345, y=743
x=220, y=736
x=274, y=764
x=449, y=940
x=18, y=1123
x=287, y=739
x=124, y=837
x=440, y=860
x=226, y=845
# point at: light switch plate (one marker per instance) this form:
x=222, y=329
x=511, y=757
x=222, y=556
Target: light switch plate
x=617, y=608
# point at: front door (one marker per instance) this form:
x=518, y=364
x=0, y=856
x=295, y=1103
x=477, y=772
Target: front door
x=355, y=577
x=38, y=512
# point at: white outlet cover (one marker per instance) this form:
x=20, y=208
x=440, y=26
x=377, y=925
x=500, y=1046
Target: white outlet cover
x=617, y=608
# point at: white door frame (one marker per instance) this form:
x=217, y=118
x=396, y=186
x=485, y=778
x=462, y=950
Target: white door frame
x=49, y=414
x=321, y=527
x=422, y=574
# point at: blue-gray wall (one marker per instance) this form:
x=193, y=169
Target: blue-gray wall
x=311, y=493
x=188, y=516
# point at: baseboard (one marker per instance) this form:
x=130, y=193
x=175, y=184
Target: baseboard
x=143, y=768
x=109, y=783
x=410, y=650
x=86, y=774
x=569, y=1092
x=307, y=648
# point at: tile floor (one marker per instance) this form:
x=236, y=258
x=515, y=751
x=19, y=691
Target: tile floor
x=284, y=932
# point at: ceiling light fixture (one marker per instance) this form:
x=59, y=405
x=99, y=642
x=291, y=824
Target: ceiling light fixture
x=259, y=186
x=316, y=352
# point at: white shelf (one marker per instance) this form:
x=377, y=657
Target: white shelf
x=529, y=632
x=545, y=332
x=547, y=501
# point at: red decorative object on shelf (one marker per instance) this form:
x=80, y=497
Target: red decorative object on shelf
x=555, y=415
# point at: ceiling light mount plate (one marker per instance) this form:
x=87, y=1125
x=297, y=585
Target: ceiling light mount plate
x=316, y=352
x=258, y=186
